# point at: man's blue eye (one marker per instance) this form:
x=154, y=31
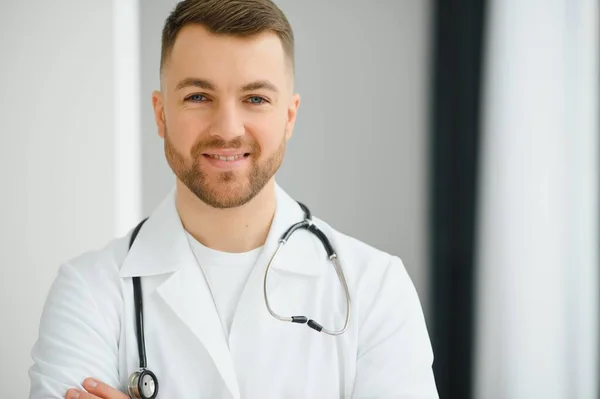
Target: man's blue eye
x=196, y=98
x=256, y=100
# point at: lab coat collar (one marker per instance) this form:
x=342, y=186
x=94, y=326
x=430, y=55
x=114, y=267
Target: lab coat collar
x=162, y=247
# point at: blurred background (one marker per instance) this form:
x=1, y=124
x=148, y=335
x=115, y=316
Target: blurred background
x=462, y=136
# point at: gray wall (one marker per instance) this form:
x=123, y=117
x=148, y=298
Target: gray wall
x=55, y=159
x=358, y=157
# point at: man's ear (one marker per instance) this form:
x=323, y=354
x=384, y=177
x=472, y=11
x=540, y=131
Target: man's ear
x=291, y=116
x=159, y=112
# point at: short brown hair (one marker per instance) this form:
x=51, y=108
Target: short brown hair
x=228, y=17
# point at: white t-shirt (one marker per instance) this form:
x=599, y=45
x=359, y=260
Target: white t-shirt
x=226, y=274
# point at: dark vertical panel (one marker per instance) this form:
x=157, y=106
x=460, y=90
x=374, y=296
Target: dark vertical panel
x=457, y=65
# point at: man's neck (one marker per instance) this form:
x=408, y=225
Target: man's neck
x=234, y=230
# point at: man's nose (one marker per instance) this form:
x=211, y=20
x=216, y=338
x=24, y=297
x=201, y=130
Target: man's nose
x=227, y=122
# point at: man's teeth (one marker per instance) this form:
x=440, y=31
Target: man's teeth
x=230, y=158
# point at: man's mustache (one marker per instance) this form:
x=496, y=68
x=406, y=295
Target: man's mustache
x=217, y=143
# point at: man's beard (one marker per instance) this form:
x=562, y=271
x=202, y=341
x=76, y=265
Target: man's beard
x=227, y=189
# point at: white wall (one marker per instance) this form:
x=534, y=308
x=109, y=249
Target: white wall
x=56, y=113
x=358, y=157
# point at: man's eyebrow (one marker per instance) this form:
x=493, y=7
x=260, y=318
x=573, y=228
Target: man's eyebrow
x=260, y=84
x=195, y=82
x=208, y=85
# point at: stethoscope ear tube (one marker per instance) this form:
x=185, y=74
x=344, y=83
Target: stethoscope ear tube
x=308, y=224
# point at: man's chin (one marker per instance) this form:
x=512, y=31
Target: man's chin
x=225, y=196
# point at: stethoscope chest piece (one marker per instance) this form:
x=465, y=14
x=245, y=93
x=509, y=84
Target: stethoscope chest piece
x=143, y=384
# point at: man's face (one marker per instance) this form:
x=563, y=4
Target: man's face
x=225, y=112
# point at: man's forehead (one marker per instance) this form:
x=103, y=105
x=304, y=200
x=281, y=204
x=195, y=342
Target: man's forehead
x=195, y=46
x=226, y=60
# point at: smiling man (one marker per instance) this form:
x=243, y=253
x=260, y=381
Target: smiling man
x=199, y=278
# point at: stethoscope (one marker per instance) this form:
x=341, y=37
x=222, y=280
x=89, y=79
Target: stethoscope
x=143, y=383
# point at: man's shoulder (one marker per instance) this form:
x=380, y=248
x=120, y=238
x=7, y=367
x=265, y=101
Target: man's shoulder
x=358, y=255
x=372, y=274
x=99, y=264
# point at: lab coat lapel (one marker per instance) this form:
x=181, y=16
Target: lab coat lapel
x=188, y=294
x=162, y=247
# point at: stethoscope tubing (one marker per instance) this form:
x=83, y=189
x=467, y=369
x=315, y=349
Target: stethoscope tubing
x=310, y=226
x=307, y=224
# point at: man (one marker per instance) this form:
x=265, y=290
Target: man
x=225, y=111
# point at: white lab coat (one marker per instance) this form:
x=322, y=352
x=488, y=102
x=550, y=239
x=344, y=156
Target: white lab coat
x=88, y=326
